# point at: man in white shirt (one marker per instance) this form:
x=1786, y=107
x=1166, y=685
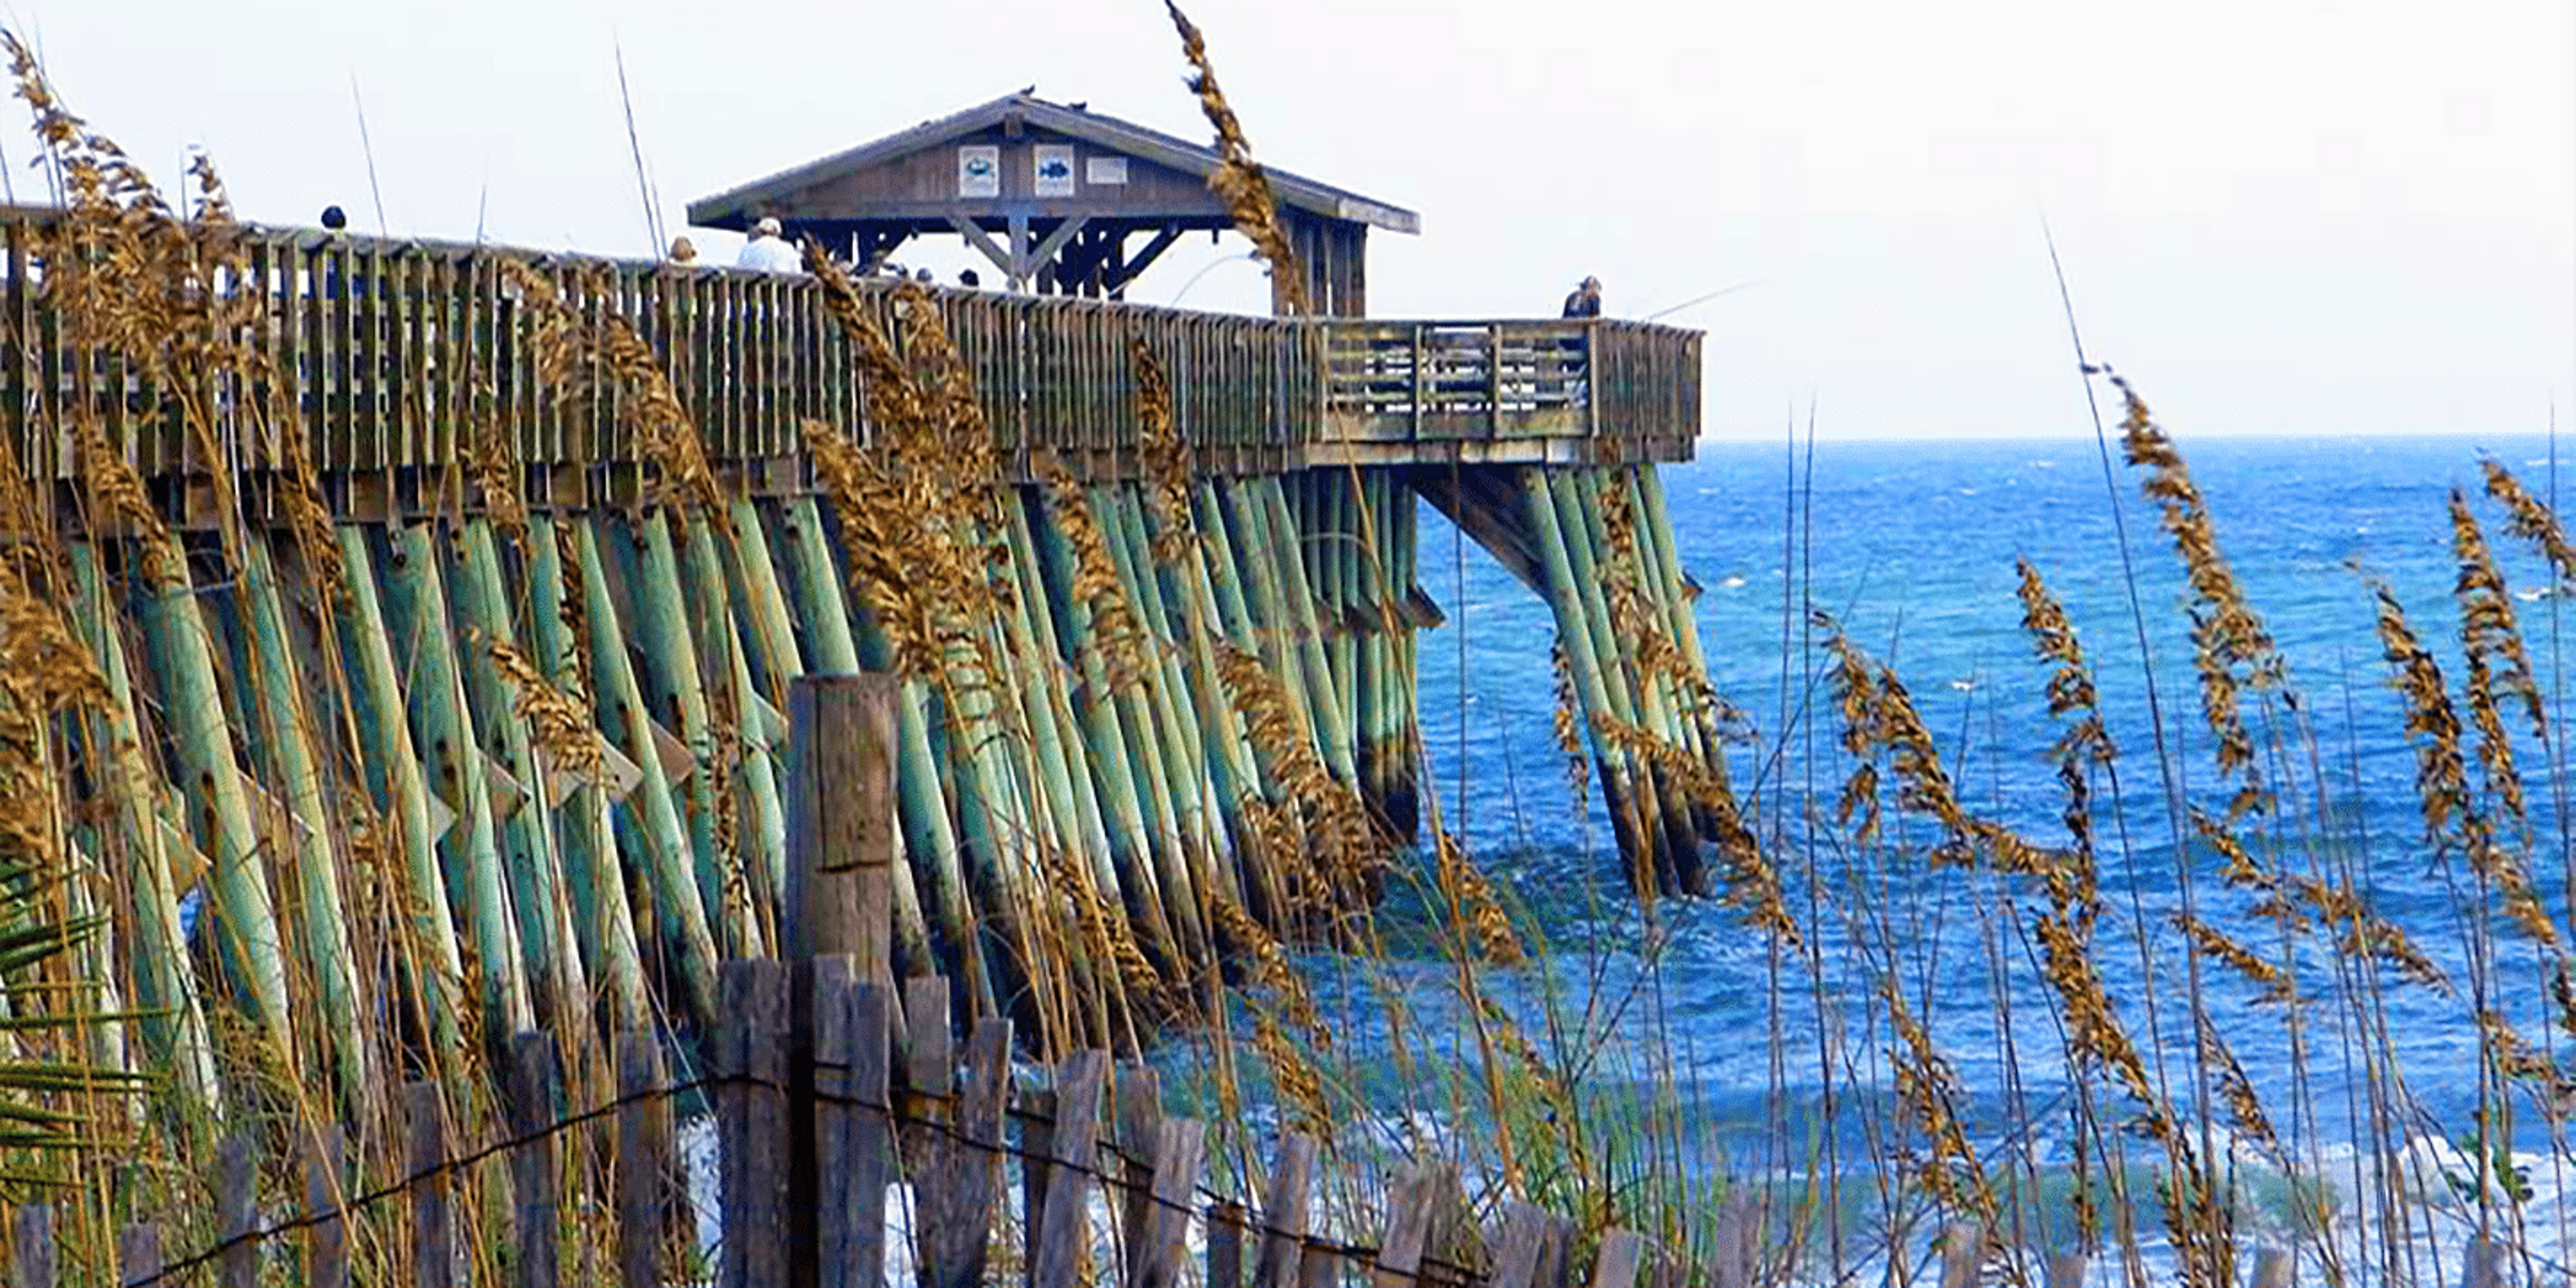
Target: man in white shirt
x=768, y=251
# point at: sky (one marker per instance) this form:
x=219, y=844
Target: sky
x=2276, y=216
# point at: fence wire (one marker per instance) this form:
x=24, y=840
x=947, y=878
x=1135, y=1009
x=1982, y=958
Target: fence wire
x=1222, y=1210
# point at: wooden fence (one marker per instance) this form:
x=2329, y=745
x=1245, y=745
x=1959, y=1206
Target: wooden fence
x=392, y=355
x=821, y=1109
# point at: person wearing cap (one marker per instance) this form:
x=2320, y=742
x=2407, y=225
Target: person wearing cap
x=1585, y=302
x=768, y=251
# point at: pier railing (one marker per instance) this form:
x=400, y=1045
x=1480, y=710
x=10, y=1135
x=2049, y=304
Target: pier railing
x=390, y=355
x=1500, y=391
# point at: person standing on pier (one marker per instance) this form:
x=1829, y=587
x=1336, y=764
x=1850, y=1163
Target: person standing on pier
x=768, y=251
x=1585, y=302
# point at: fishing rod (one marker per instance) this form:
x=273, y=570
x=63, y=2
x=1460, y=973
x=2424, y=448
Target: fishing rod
x=368, y=147
x=1719, y=293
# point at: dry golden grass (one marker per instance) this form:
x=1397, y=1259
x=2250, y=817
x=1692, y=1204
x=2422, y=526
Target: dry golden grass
x=2232, y=650
x=1169, y=466
x=1239, y=180
x=2454, y=825
x=557, y=721
x=2275, y=984
x=2532, y=521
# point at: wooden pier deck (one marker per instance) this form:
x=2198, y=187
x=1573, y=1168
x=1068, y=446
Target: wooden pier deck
x=395, y=351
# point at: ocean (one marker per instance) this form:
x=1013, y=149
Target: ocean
x=1912, y=547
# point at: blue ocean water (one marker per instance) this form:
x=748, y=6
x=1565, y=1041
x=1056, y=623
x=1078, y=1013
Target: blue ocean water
x=1912, y=546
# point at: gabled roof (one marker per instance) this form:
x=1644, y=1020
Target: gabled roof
x=1295, y=191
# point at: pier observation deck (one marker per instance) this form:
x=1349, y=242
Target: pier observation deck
x=394, y=352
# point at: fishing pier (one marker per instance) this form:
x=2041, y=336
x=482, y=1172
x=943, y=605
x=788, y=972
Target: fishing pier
x=449, y=605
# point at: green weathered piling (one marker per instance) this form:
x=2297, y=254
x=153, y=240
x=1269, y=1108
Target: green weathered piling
x=292, y=728
x=1232, y=613
x=761, y=824
x=1186, y=768
x=1297, y=601
x=526, y=810
x=669, y=864
x=770, y=629
x=164, y=971
x=1645, y=707
x=663, y=626
x=441, y=722
x=1220, y=726
x=1631, y=815
x=245, y=923
x=1658, y=526
x=1072, y=805
x=603, y=919
x=432, y=953
x=1267, y=620
x=1121, y=740
x=1186, y=710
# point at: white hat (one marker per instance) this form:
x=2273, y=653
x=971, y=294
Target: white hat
x=767, y=227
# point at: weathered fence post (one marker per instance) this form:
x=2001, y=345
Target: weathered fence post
x=753, y=1102
x=2485, y=1265
x=2067, y=1270
x=1056, y=1245
x=643, y=1159
x=929, y=1062
x=326, y=1240
x=1137, y=1124
x=1519, y=1245
x=839, y=904
x=535, y=1197
x=1622, y=1251
x=851, y=1134
x=841, y=821
x=957, y=1190
x=33, y=1232
x=1408, y=1227
x=2273, y=1268
x=1036, y=1113
x=1963, y=1251
x=1738, y=1241
x=432, y=1240
x=1225, y=1224
x=1154, y=1257
x=1284, y=1212
x=138, y=1254
x=237, y=1211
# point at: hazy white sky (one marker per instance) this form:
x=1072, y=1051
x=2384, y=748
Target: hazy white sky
x=2278, y=216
